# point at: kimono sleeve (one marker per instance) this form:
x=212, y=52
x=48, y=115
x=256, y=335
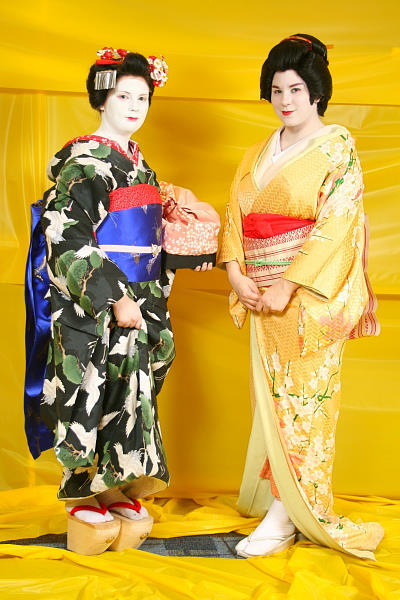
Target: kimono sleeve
x=334, y=248
x=232, y=233
x=76, y=264
x=232, y=247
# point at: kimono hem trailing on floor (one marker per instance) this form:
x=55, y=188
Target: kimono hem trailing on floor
x=296, y=355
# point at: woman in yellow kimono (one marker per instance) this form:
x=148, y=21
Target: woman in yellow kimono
x=294, y=246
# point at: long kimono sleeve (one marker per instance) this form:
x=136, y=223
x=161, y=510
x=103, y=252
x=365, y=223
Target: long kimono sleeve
x=329, y=266
x=77, y=266
x=232, y=247
x=335, y=245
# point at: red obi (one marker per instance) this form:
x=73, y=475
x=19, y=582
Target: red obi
x=265, y=225
x=270, y=243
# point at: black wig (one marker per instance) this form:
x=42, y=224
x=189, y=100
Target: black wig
x=307, y=56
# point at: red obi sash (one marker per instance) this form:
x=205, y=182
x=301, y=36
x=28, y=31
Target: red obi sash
x=271, y=242
x=266, y=225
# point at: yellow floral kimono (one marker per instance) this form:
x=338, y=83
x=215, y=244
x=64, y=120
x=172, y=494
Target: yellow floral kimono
x=296, y=355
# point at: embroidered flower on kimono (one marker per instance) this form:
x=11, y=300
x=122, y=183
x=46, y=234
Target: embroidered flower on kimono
x=356, y=239
x=336, y=388
x=275, y=361
x=313, y=383
x=345, y=200
x=343, y=296
x=323, y=372
x=326, y=148
x=331, y=355
x=336, y=326
x=288, y=381
x=318, y=444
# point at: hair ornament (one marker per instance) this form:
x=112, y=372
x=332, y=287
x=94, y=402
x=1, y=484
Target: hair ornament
x=158, y=70
x=105, y=80
x=299, y=38
x=111, y=56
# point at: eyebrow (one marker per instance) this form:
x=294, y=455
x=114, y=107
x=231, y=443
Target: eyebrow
x=293, y=85
x=126, y=92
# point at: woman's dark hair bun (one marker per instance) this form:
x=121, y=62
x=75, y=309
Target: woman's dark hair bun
x=317, y=46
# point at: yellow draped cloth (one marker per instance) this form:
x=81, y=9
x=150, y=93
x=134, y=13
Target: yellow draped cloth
x=296, y=355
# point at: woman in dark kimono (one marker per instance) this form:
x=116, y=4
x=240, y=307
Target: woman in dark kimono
x=112, y=343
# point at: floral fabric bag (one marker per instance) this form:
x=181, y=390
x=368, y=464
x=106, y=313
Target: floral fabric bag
x=190, y=228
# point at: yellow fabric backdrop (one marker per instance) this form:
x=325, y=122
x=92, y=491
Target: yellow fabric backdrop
x=196, y=132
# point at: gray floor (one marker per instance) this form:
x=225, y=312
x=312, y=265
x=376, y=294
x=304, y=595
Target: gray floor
x=217, y=546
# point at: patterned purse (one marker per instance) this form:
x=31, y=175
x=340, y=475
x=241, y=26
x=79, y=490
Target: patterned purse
x=190, y=229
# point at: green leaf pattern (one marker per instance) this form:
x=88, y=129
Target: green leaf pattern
x=101, y=380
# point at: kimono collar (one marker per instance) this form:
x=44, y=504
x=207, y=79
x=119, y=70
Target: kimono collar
x=294, y=152
x=133, y=146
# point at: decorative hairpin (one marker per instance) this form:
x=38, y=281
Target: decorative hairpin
x=107, y=79
x=111, y=56
x=158, y=70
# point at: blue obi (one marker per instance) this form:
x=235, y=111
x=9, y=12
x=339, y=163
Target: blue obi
x=130, y=235
x=37, y=336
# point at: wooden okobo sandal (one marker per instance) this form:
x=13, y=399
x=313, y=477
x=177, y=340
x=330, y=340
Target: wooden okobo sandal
x=133, y=532
x=90, y=538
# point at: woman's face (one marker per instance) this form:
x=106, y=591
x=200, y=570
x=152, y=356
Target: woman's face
x=126, y=106
x=291, y=99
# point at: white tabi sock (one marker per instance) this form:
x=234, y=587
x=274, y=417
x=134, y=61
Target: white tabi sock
x=116, y=495
x=275, y=524
x=274, y=533
x=88, y=516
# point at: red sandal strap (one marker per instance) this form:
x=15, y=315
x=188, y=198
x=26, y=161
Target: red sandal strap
x=133, y=504
x=101, y=510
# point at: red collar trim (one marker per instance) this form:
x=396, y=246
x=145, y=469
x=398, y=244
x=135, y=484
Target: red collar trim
x=111, y=144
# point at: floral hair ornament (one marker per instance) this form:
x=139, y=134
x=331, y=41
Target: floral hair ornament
x=111, y=56
x=107, y=79
x=158, y=70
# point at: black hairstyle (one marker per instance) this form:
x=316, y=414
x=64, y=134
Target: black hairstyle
x=306, y=55
x=133, y=64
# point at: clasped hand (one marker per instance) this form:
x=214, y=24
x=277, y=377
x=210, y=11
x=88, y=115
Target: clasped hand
x=275, y=298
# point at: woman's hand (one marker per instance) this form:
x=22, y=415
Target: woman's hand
x=127, y=313
x=247, y=291
x=204, y=267
x=277, y=296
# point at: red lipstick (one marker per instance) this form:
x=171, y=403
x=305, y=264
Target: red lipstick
x=286, y=113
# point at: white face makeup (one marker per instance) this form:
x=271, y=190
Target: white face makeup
x=125, y=108
x=291, y=100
